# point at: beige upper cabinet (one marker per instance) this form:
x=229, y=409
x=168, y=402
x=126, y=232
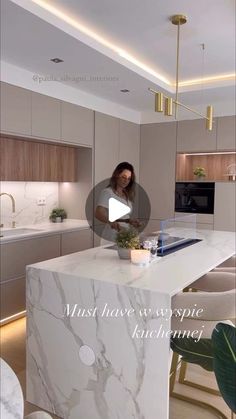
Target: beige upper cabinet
x=157, y=167
x=46, y=117
x=106, y=145
x=15, y=109
x=130, y=144
x=226, y=134
x=192, y=136
x=77, y=124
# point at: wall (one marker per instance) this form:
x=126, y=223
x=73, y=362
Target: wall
x=25, y=195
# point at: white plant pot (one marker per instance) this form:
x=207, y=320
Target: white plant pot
x=200, y=178
x=57, y=220
x=124, y=253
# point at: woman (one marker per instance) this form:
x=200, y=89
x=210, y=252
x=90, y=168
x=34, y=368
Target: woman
x=121, y=187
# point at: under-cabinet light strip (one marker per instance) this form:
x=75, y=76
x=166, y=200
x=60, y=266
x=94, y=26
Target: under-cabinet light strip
x=209, y=154
x=12, y=318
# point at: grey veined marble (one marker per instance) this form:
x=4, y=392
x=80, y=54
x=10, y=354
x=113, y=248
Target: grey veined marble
x=85, y=358
x=92, y=350
x=11, y=397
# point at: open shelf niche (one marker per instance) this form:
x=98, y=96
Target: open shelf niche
x=218, y=166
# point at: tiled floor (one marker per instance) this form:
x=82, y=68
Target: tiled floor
x=13, y=352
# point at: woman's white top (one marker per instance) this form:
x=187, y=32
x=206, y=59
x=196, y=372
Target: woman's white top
x=103, y=201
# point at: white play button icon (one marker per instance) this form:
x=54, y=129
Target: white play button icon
x=117, y=209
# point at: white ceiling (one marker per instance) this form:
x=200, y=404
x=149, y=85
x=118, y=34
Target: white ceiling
x=140, y=28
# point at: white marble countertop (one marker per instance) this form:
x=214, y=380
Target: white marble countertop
x=168, y=274
x=38, y=230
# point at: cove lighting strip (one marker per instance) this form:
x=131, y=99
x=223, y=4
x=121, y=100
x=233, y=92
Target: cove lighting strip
x=12, y=318
x=122, y=53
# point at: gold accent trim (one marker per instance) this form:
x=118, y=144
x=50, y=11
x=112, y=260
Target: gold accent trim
x=204, y=405
x=187, y=399
x=12, y=318
x=158, y=102
x=168, y=106
x=178, y=19
x=209, y=118
x=209, y=111
x=189, y=383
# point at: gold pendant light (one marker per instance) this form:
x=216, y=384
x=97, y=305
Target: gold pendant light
x=179, y=20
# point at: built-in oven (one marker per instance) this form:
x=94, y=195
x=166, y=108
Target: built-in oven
x=195, y=197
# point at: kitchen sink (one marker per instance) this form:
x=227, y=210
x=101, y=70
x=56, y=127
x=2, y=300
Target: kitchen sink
x=17, y=231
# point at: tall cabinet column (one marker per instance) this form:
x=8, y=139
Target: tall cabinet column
x=157, y=169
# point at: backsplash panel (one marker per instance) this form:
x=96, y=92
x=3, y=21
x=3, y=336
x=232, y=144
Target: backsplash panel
x=26, y=195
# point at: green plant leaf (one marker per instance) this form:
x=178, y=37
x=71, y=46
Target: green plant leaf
x=224, y=350
x=128, y=238
x=199, y=353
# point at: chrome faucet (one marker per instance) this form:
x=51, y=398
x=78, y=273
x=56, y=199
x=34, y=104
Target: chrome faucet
x=13, y=206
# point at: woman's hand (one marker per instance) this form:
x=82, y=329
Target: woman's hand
x=115, y=226
x=135, y=223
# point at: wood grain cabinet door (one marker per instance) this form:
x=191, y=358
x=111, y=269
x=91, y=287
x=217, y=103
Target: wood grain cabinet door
x=58, y=163
x=67, y=164
x=19, y=160
x=22, y=160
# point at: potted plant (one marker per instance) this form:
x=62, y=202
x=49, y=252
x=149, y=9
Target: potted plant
x=217, y=354
x=57, y=215
x=199, y=172
x=126, y=240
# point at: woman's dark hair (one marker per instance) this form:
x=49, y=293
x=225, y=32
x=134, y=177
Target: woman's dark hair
x=130, y=189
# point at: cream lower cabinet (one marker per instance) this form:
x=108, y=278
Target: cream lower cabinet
x=17, y=255
x=75, y=241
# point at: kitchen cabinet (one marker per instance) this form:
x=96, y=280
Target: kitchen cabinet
x=106, y=145
x=225, y=206
x=192, y=136
x=15, y=109
x=46, y=117
x=24, y=160
x=75, y=241
x=77, y=124
x=19, y=160
x=106, y=156
x=215, y=165
x=226, y=133
x=157, y=167
x=15, y=257
x=59, y=163
x=129, y=144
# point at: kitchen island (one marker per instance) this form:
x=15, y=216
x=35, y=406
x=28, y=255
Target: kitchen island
x=97, y=338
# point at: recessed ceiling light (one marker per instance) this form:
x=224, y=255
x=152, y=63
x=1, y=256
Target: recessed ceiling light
x=57, y=60
x=124, y=90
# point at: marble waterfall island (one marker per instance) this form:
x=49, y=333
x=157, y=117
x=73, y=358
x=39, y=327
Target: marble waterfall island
x=97, y=342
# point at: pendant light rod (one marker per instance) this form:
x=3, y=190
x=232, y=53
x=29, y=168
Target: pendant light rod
x=180, y=104
x=179, y=20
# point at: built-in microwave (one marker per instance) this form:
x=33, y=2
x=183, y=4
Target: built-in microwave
x=195, y=197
